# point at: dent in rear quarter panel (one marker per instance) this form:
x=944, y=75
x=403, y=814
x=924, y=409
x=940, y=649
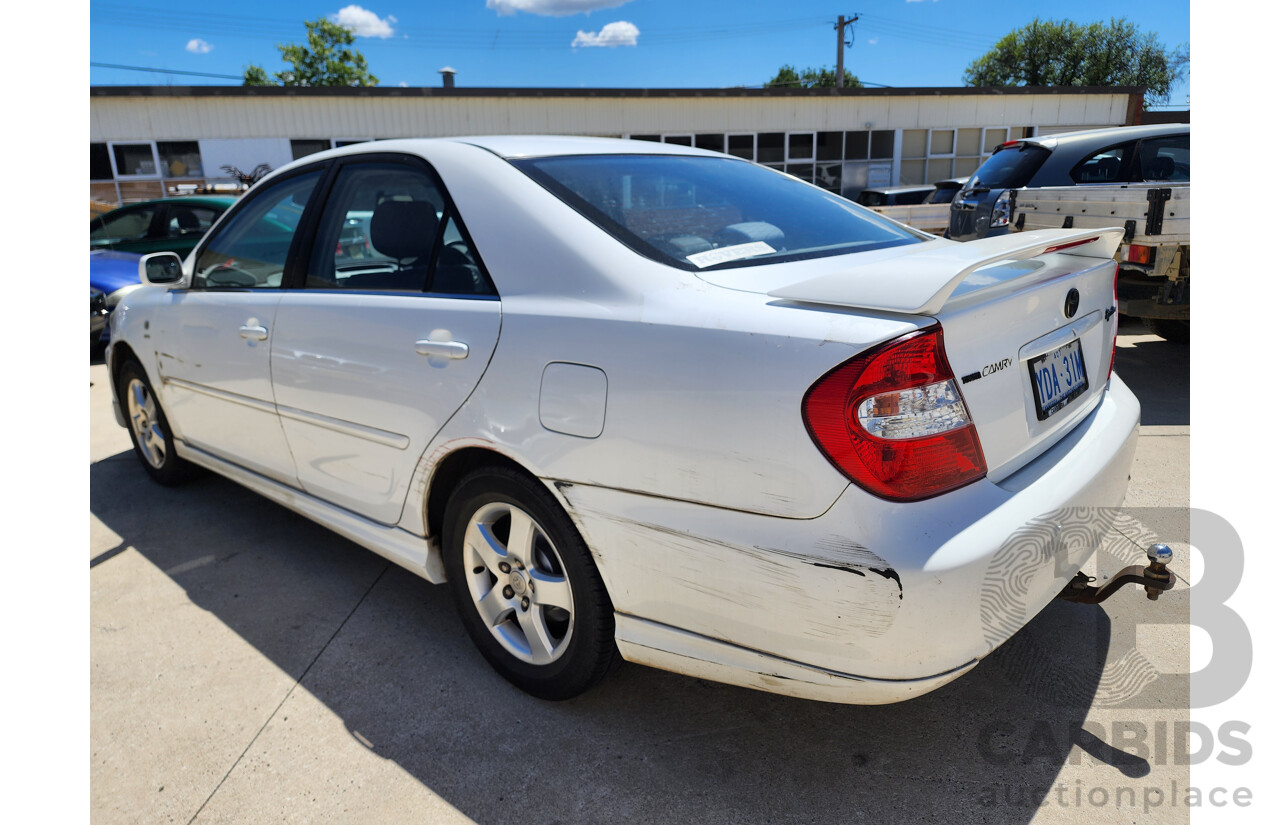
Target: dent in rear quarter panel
x=725, y=578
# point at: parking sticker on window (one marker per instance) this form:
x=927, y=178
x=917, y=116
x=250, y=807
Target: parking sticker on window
x=702, y=260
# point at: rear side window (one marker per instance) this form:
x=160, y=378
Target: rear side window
x=1165, y=159
x=387, y=226
x=1010, y=168
x=1108, y=166
x=705, y=212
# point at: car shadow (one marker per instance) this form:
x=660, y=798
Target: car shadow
x=1158, y=372
x=385, y=652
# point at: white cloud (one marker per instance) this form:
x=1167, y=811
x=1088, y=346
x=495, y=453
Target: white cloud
x=403, y=85
x=198, y=46
x=621, y=33
x=873, y=41
x=552, y=8
x=364, y=22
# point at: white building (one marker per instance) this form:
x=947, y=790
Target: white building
x=146, y=139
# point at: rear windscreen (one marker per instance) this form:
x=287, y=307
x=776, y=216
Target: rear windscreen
x=708, y=212
x=1010, y=168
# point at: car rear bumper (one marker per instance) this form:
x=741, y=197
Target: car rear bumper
x=873, y=601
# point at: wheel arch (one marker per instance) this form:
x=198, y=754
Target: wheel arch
x=450, y=470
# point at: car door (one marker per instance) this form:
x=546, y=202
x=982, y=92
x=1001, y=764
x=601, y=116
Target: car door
x=389, y=333
x=215, y=337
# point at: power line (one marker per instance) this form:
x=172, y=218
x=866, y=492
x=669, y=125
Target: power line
x=164, y=71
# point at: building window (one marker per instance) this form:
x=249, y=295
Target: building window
x=712, y=143
x=99, y=162
x=678, y=140
x=650, y=138
x=770, y=147
x=303, y=147
x=134, y=160
x=180, y=159
x=743, y=146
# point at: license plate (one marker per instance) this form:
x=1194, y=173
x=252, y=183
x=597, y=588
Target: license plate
x=1057, y=377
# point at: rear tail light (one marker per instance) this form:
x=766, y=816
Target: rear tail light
x=1001, y=210
x=1115, y=330
x=1139, y=254
x=893, y=421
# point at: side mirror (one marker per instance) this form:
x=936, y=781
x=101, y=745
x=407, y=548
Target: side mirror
x=160, y=269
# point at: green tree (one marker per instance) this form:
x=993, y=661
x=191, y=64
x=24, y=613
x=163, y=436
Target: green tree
x=787, y=76
x=1062, y=53
x=326, y=60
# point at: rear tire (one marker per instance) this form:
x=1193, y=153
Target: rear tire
x=148, y=428
x=525, y=585
x=1170, y=329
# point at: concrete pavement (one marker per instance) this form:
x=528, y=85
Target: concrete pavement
x=249, y=666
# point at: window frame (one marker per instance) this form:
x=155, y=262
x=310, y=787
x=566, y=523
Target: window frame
x=304, y=229
x=295, y=276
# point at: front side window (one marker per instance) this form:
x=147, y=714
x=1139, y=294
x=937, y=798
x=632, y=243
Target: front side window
x=387, y=226
x=186, y=221
x=128, y=224
x=1165, y=159
x=252, y=248
x=699, y=213
x=1108, y=166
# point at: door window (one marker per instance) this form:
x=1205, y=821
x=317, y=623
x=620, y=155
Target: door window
x=189, y=221
x=1108, y=166
x=252, y=247
x=129, y=224
x=387, y=226
x=1165, y=159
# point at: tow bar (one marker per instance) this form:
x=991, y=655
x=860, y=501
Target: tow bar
x=1155, y=578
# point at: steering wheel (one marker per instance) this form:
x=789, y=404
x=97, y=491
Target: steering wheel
x=229, y=276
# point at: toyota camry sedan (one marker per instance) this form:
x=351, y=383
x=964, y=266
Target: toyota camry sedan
x=647, y=402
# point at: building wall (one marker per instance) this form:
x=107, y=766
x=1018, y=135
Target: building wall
x=244, y=128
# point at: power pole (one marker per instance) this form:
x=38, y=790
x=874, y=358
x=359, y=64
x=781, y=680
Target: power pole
x=840, y=48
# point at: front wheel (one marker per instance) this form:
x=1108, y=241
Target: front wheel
x=525, y=585
x=148, y=428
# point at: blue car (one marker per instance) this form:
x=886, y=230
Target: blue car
x=112, y=275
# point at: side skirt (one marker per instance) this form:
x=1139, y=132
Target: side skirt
x=414, y=553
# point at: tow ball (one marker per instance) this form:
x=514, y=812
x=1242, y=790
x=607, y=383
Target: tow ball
x=1155, y=579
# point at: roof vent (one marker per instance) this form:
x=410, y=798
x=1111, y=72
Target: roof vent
x=448, y=72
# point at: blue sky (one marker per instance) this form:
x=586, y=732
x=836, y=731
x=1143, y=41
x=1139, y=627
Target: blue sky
x=592, y=43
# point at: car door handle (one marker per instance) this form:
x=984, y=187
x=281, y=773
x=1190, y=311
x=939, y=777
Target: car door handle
x=254, y=331
x=443, y=349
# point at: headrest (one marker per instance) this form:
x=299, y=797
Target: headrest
x=186, y=219
x=404, y=229
x=1161, y=168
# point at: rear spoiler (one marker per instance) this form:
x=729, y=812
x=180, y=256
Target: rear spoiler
x=920, y=283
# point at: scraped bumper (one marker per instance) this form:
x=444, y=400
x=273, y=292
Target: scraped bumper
x=873, y=601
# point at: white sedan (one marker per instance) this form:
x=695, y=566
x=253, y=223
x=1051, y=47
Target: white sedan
x=644, y=401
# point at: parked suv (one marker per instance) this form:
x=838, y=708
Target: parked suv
x=1126, y=154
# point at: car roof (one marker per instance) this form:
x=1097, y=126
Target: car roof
x=220, y=201
x=1105, y=137
x=893, y=190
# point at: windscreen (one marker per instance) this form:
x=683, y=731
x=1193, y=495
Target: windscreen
x=1010, y=168
x=704, y=212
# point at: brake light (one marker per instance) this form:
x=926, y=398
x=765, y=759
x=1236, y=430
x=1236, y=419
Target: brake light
x=1009, y=144
x=1138, y=254
x=892, y=420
